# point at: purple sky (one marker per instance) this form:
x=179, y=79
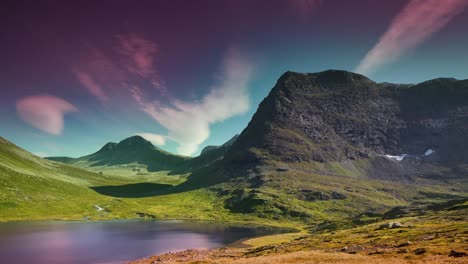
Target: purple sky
x=186, y=74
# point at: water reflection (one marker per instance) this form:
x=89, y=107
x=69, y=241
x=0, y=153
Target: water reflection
x=112, y=241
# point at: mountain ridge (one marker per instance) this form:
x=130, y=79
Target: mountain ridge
x=351, y=118
x=136, y=149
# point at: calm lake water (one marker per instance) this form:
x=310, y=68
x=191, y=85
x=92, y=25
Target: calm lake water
x=112, y=241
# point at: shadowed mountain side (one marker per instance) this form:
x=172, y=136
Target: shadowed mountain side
x=136, y=190
x=204, y=177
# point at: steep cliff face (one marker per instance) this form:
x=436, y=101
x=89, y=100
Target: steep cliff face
x=436, y=117
x=338, y=116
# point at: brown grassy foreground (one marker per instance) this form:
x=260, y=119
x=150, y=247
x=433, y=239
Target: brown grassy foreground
x=312, y=256
x=425, y=238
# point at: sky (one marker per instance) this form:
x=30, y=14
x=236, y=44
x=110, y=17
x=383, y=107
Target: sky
x=75, y=75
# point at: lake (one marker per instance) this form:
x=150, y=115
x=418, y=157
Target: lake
x=112, y=241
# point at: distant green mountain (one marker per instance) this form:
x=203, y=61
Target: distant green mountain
x=137, y=155
x=133, y=150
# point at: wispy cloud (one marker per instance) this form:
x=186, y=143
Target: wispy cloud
x=156, y=139
x=139, y=53
x=98, y=73
x=108, y=74
x=188, y=123
x=139, y=56
x=416, y=23
x=44, y=112
x=88, y=82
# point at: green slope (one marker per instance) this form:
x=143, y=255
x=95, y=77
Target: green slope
x=32, y=188
x=36, y=188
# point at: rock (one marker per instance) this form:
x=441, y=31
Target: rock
x=402, y=251
x=457, y=254
x=145, y=215
x=420, y=251
x=396, y=212
x=344, y=249
x=404, y=244
x=391, y=225
x=282, y=169
x=311, y=195
x=338, y=195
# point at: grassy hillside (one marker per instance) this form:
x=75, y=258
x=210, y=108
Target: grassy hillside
x=35, y=188
x=32, y=188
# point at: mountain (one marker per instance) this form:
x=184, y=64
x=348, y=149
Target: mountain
x=327, y=150
x=134, y=149
x=211, y=154
x=341, y=123
x=340, y=143
x=225, y=145
x=135, y=154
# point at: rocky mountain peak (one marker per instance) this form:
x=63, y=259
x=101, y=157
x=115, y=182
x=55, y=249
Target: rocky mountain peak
x=338, y=116
x=336, y=77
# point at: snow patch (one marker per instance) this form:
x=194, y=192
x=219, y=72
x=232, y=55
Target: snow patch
x=397, y=157
x=403, y=156
x=428, y=152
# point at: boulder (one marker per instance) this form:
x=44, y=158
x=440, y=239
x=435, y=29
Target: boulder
x=391, y=225
x=404, y=244
x=420, y=251
x=457, y=254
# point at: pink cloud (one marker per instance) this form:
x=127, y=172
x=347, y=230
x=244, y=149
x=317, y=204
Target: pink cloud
x=140, y=51
x=416, y=23
x=44, y=112
x=228, y=98
x=139, y=54
x=107, y=75
x=94, y=88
